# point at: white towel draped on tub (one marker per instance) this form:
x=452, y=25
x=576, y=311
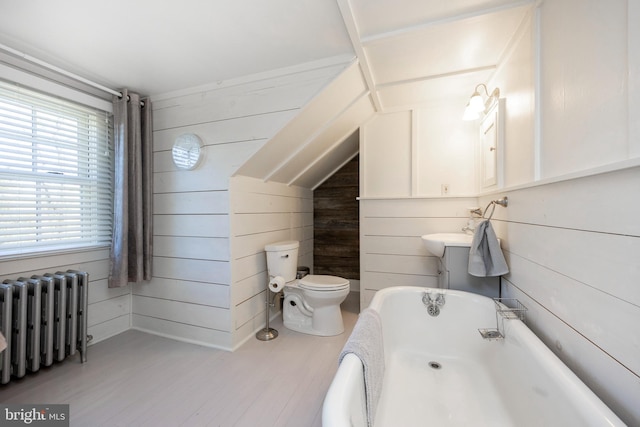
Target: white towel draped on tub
x=485, y=256
x=366, y=342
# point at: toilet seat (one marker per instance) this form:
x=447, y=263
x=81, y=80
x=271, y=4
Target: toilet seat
x=321, y=282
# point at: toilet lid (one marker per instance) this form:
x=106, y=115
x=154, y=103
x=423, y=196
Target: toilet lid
x=323, y=283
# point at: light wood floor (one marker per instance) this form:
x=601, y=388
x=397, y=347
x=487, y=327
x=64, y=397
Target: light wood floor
x=138, y=379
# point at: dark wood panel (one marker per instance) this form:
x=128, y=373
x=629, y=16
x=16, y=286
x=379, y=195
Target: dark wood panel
x=347, y=213
x=335, y=202
x=334, y=270
x=336, y=237
x=336, y=224
x=337, y=250
x=342, y=178
x=345, y=177
x=334, y=263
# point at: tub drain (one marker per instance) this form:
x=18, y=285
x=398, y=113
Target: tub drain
x=435, y=365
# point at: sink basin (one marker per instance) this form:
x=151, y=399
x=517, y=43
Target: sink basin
x=435, y=243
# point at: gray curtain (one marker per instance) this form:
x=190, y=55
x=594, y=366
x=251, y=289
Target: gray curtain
x=132, y=242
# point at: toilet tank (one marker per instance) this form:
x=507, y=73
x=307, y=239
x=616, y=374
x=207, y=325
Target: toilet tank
x=282, y=259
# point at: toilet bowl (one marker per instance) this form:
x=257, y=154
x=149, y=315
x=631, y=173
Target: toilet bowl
x=312, y=303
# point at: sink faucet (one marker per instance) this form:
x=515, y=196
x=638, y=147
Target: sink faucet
x=470, y=228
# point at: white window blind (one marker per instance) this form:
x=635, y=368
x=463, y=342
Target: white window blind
x=56, y=173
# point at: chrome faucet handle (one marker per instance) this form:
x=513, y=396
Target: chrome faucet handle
x=427, y=299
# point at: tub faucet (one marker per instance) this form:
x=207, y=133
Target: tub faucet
x=432, y=303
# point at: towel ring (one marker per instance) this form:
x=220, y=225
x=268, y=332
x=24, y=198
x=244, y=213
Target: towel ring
x=493, y=208
x=502, y=202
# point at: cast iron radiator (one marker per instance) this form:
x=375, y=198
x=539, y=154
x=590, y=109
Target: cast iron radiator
x=44, y=320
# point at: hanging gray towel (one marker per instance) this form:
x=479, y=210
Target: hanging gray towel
x=485, y=256
x=366, y=342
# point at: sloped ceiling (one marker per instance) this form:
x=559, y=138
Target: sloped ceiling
x=426, y=52
x=154, y=47
x=415, y=54
x=321, y=137
x=407, y=54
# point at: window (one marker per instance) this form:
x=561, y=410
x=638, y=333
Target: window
x=56, y=173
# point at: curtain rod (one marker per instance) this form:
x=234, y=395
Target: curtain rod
x=61, y=71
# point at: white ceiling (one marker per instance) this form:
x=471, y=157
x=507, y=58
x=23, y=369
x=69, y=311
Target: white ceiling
x=411, y=51
x=162, y=46
x=425, y=52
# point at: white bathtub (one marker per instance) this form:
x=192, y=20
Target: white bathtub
x=515, y=381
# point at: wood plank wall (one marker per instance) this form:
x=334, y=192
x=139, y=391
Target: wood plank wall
x=336, y=224
x=109, y=311
x=573, y=248
x=190, y=295
x=263, y=213
x=392, y=253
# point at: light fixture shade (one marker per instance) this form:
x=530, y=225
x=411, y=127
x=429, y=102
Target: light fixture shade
x=476, y=102
x=470, y=113
x=476, y=105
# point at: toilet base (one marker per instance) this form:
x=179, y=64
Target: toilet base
x=323, y=321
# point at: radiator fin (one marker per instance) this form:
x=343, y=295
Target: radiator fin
x=43, y=319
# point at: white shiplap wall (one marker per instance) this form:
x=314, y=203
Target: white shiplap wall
x=391, y=250
x=406, y=159
x=574, y=249
x=109, y=311
x=263, y=213
x=572, y=241
x=191, y=296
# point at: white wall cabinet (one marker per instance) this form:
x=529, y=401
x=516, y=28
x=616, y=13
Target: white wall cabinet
x=491, y=145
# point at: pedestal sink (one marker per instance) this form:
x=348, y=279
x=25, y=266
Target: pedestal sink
x=435, y=243
x=452, y=249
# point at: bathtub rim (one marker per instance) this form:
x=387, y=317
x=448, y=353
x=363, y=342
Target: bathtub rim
x=568, y=381
x=345, y=400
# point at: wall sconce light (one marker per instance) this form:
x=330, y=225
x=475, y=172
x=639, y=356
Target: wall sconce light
x=477, y=105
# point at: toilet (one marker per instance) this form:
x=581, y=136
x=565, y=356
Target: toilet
x=311, y=303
